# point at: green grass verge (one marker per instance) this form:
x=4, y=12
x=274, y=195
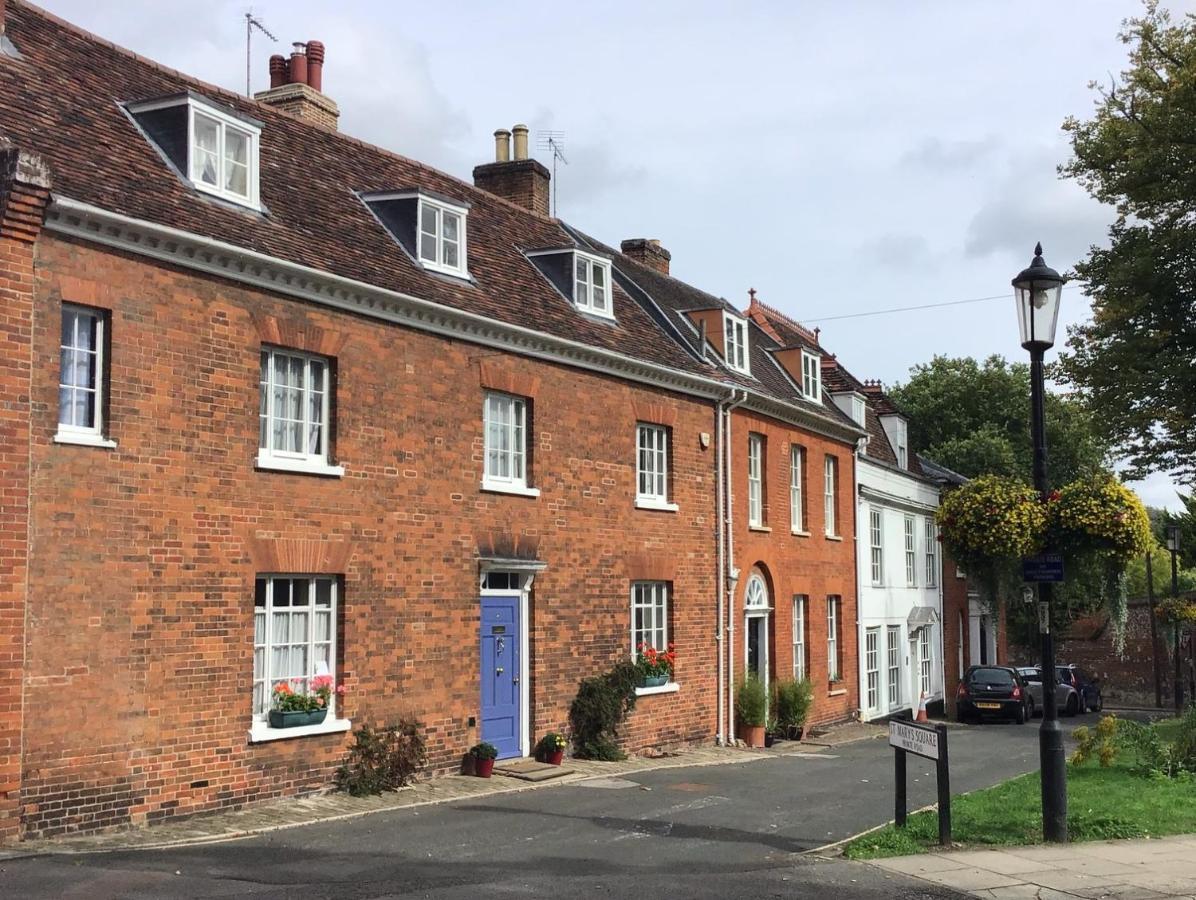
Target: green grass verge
x=1103, y=804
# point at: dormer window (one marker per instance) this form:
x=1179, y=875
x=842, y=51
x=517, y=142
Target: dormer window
x=591, y=284
x=431, y=228
x=854, y=405
x=811, y=376
x=211, y=146
x=441, y=236
x=735, y=342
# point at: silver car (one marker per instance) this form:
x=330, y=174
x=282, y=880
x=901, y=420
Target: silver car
x=1065, y=695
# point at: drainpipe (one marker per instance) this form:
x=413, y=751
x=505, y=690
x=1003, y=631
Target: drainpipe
x=731, y=574
x=720, y=583
x=860, y=676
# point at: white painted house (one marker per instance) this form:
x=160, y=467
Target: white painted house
x=899, y=559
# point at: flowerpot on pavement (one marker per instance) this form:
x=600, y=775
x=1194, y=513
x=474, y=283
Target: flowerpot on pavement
x=483, y=768
x=752, y=735
x=555, y=758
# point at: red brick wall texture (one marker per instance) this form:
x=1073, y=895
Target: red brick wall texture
x=137, y=660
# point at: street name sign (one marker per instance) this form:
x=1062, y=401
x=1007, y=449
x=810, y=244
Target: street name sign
x=914, y=739
x=1043, y=567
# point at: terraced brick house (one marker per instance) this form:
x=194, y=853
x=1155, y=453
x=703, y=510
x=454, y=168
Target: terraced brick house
x=279, y=404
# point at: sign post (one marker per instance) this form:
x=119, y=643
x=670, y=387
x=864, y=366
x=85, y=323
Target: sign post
x=929, y=742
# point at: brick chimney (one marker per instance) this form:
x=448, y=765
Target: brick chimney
x=647, y=252
x=521, y=180
x=296, y=86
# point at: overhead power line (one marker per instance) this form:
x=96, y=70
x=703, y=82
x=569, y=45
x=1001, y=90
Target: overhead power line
x=899, y=309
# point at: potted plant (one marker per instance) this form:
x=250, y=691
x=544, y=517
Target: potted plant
x=751, y=708
x=551, y=748
x=791, y=701
x=655, y=667
x=290, y=708
x=483, y=755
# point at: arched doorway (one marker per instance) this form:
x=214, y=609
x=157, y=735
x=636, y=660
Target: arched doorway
x=756, y=612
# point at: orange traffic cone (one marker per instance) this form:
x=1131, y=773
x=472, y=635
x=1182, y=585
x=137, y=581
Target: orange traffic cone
x=922, y=717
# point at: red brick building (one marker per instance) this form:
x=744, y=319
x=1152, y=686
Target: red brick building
x=278, y=404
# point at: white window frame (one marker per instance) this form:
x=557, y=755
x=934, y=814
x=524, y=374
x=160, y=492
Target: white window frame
x=755, y=481
x=436, y=210
x=270, y=457
x=893, y=663
x=902, y=456
x=650, y=599
x=859, y=411
x=832, y=638
x=932, y=552
x=872, y=667
x=811, y=376
x=583, y=287
x=800, y=604
x=224, y=122
x=735, y=343
x=911, y=551
x=516, y=480
x=876, y=544
x=652, y=467
x=925, y=659
x=68, y=432
x=264, y=676
x=797, y=472
x=829, y=492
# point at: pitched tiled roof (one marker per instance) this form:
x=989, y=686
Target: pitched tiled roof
x=62, y=100
x=675, y=298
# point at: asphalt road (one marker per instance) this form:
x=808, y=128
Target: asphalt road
x=703, y=832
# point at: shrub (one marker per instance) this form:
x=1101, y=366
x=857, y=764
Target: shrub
x=751, y=702
x=600, y=707
x=483, y=750
x=1100, y=742
x=791, y=701
x=383, y=760
x=549, y=744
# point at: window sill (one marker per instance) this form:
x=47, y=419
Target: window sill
x=261, y=732
x=439, y=269
x=657, y=505
x=298, y=466
x=799, y=533
x=497, y=487
x=80, y=439
x=839, y=692
x=671, y=688
x=761, y=528
x=834, y=537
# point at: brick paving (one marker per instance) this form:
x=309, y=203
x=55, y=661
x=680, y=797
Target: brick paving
x=330, y=806
x=1156, y=869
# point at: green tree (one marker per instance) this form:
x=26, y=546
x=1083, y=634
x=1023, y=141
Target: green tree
x=975, y=418
x=1132, y=362
x=1186, y=520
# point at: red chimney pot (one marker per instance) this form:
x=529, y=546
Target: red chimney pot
x=278, y=70
x=315, y=65
x=298, y=73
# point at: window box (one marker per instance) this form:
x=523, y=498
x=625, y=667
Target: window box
x=283, y=719
x=261, y=732
x=651, y=681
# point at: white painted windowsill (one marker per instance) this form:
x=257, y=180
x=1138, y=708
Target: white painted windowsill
x=261, y=732
x=82, y=439
x=299, y=466
x=499, y=487
x=657, y=505
x=763, y=528
x=834, y=537
x=671, y=688
x=836, y=692
x=799, y=533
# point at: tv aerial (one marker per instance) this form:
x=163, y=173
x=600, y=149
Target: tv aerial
x=252, y=22
x=554, y=142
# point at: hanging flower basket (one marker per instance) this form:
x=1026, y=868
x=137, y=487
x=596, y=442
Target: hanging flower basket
x=991, y=519
x=1177, y=611
x=1098, y=516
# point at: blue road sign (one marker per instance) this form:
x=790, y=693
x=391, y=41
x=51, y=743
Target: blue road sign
x=1044, y=567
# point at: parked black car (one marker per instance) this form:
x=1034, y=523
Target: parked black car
x=992, y=691
x=1086, y=686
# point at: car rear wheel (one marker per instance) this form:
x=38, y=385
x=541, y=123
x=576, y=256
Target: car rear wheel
x=1020, y=717
x=1031, y=712
x=1073, y=706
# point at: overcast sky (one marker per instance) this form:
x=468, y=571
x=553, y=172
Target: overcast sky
x=840, y=157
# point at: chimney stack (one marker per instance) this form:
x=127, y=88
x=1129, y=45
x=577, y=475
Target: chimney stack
x=296, y=86
x=647, y=252
x=521, y=180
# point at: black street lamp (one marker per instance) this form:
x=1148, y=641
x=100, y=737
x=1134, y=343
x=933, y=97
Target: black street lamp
x=1173, y=549
x=1038, y=290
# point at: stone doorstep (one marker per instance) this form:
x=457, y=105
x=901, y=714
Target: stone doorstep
x=260, y=818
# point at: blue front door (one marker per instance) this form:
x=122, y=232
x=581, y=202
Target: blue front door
x=501, y=717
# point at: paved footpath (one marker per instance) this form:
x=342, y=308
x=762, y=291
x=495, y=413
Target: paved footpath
x=1124, y=870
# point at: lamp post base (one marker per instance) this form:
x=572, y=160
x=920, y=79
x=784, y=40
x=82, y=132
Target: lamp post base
x=1054, y=781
